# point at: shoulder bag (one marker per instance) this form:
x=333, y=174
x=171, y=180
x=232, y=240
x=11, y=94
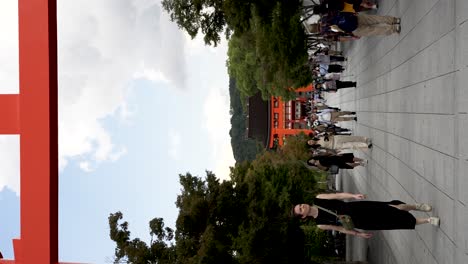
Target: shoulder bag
x=345, y=220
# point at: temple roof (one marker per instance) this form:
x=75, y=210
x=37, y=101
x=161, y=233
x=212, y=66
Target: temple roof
x=258, y=119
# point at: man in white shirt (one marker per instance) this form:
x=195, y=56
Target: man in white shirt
x=329, y=116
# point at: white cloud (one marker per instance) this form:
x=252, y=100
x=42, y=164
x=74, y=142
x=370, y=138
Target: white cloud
x=9, y=162
x=9, y=76
x=9, y=80
x=102, y=46
x=174, y=144
x=124, y=112
x=85, y=166
x=217, y=123
x=152, y=75
x=197, y=45
x=224, y=161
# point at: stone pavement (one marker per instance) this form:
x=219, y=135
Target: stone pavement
x=412, y=100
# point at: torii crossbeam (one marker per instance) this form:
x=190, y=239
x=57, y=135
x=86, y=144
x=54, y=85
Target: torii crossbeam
x=33, y=115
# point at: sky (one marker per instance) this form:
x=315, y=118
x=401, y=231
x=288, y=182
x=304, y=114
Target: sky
x=139, y=104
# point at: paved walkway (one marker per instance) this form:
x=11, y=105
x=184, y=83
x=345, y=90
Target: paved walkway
x=412, y=100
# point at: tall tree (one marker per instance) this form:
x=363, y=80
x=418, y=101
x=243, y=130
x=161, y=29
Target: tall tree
x=243, y=220
x=196, y=15
x=271, y=56
x=281, y=51
x=137, y=251
x=244, y=63
x=268, y=52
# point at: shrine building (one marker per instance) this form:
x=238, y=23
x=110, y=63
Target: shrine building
x=271, y=121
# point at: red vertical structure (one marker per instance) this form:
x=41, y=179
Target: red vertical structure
x=282, y=117
x=38, y=131
x=33, y=115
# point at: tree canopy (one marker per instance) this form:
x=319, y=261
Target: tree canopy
x=244, y=149
x=243, y=220
x=211, y=17
x=268, y=48
x=193, y=16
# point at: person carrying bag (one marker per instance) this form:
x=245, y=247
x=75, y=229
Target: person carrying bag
x=345, y=220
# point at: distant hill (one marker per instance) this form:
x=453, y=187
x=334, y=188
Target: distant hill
x=242, y=147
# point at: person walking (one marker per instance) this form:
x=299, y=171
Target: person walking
x=327, y=59
x=335, y=85
x=328, y=116
x=341, y=142
x=371, y=25
x=343, y=161
x=335, y=68
x=320, y=129
x=351, y=25
x=365, y=215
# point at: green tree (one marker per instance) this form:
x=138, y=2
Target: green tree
x=211, y=17
x=281, y=51
x=137, y=251
x=242, y=147
x=268, y=52
x=206, y=16
x=244, y=63
x=243, y=220
x=271, y=56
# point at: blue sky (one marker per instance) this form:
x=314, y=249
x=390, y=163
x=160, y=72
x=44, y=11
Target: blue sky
x=139, y=104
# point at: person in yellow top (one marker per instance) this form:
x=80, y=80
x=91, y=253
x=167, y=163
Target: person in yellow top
x=353, y=6
x=353, y=25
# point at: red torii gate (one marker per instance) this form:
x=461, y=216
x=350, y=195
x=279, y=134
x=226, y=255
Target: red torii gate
x=33, y=115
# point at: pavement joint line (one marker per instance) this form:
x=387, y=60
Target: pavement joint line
x=419, y=21
x=404, y=87
x=456, y=136
x=448, y=155
x=383, y=187
x=461, y=202
x=415, y=113
x=373, y=46
x=417, y=173
x=409, y=194
x=409, y=58
x=375, y=69
x=356, y=174
x=387, y=244
x=379, y=40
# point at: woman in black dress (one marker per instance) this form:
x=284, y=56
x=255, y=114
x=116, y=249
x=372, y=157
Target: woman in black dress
x=366, y=215
x=343, y=161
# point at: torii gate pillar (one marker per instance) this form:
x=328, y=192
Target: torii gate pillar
x=33, y=115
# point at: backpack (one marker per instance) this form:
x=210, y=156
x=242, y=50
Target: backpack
x=346, y=21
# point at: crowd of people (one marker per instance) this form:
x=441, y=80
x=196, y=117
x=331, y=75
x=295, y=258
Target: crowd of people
x=330, y=142
x=330, y=145
x=343, y=20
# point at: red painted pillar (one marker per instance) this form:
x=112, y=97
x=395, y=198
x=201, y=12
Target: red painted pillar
x=33, y=114
x=9, y=114
x=38, y=131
